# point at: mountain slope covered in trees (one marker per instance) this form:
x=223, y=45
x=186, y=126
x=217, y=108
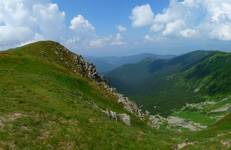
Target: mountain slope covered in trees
x=162, y=86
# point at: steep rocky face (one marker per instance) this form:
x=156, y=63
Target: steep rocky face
x=77, y=64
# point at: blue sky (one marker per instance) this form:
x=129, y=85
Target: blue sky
x=106, y=14
x=118, y=27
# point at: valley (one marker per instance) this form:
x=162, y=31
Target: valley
x=164, y=85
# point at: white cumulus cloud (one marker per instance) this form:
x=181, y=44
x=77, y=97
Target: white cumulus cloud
x=29, y=20
x=207, y=19
x=114, y=40
x=25, y=21
x=81, y=24
x=10, y=35
x=142, y=16
x=222, y=32
x=173, y=27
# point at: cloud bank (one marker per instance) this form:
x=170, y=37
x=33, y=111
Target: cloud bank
x=208, y=19
x=25, y=21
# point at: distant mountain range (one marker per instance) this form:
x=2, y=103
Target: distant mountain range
x=164, y=85
x=106, y=64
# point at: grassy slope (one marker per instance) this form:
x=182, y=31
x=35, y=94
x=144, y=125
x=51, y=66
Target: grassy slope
x=45, y=106
x=215, y=137
x=212, y=76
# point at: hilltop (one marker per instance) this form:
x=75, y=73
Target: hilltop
x=51, y=98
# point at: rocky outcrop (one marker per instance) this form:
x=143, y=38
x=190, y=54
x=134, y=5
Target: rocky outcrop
x=225, y=108
x=197, y=106
x=125, y=102
x=180, y=122
x=76, y=63
x=111, y=114
x=155, y=121
x=183, y=145
x=124, y=118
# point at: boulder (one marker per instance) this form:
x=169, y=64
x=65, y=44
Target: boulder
x=113, y=115
x=125, y=119
x=155, y=121
x=110, y=114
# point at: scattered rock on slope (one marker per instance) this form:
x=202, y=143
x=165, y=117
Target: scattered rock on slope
x=124, y=118
x=77, y=64
x=128, y=105
x=180, y=122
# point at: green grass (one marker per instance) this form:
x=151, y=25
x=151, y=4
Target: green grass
x=195, y=116
x=212, y=75
x=45, y=106
x=212, y=137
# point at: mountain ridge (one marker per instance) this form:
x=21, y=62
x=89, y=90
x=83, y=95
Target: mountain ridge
x=43, y=95
x=52, y=100
x=160, y=76
x=105, y=64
